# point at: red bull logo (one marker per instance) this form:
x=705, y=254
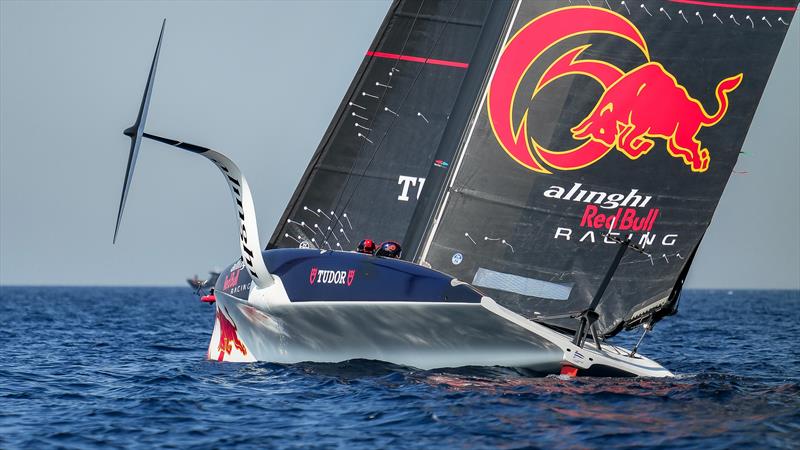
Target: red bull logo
x=231, y=280
x=638, y=106
x=228, y=337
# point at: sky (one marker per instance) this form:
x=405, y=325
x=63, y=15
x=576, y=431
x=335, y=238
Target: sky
x=258, y=81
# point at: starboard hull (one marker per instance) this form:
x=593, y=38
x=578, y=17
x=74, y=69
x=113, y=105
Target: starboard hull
x=421, y=335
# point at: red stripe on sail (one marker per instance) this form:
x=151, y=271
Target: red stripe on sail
x=728, y=5
x=437, y=62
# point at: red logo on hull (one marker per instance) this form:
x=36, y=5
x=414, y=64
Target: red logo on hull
x=231, y=280
x=312, y=276
x=645, y=103
x=228, y=338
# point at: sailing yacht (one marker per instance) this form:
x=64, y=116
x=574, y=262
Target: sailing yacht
x=550, y=169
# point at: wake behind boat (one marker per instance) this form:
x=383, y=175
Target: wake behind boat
x=551, y=169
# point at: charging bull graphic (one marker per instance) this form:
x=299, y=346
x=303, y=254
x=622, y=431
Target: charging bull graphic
x=637, y=106
x=634, y=119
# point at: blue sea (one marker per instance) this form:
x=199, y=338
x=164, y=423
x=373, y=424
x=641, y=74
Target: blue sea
x=126, y=367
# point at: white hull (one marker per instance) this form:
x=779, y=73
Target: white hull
x=417, y=334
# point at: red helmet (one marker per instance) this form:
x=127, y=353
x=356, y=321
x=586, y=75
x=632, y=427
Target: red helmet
x=389, y=249
x=366, y=246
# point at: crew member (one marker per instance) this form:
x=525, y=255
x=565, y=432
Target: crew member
x=389, y=249
x=366, y=246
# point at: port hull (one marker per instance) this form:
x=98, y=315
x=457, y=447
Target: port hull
x=417, y=334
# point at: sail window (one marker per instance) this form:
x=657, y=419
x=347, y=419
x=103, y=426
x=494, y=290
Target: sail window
x=529, y=287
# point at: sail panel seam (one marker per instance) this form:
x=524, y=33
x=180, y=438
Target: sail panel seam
x=341, y=171
x=441, y=19
x=733, y=6
x=437, y=62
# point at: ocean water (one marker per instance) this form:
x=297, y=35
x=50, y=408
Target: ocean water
x=126, y=367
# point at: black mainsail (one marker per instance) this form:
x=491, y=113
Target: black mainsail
x=503, y=141
x=413, y=90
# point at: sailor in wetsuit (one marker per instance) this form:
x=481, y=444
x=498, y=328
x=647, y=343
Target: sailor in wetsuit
x=389, y=249
x=366, y=246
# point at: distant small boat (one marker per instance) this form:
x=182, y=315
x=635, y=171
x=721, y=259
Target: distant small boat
x=198, y=284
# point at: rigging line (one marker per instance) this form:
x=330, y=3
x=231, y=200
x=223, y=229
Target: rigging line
x=299, y=242
x=366, y=139
x=402, y=102
x=677, y=254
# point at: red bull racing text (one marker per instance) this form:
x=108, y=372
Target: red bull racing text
x=613, y=213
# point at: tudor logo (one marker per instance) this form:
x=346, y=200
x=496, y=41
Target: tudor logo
x=340, y=277
x=640, y=105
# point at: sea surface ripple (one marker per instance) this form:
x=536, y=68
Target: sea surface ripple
x=126, y=367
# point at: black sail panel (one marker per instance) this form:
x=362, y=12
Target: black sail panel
x=621, y=117
x=497, y=21
x=371, y=166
